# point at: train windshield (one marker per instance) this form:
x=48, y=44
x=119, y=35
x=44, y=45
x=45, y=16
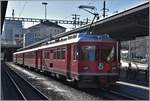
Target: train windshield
x=88, y=53
x=107, y=53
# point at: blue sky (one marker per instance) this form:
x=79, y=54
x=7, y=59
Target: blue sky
x=63, y=9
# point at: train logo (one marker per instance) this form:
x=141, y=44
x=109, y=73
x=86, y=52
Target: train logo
x=101, y=66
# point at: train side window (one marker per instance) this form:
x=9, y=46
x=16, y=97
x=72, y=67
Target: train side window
x=31, y=55
x=107, y=53
x=62, y=53
x=51, y=51
x=88, y=53
x=51, y=65
x=26, y=55
x=46, y=54
x=58, y=53
x=54, y=54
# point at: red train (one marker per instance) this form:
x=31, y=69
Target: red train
x=89, y=60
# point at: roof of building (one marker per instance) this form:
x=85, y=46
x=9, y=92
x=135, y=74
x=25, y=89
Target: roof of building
x=51, y=24
x=47, y=23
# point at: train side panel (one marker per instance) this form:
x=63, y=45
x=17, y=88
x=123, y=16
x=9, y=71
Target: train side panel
x=38, y=59
x=14, y=58
x=54, y=60
x=30, y=59
x=19, y=58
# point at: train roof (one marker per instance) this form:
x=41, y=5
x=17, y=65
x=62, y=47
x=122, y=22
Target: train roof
x=74, y=38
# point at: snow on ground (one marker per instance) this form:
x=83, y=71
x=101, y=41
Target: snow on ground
x=134, y=65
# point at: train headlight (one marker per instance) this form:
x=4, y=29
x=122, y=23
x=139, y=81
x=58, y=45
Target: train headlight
x=101, y=66
x=113, y=68
x=85, y=68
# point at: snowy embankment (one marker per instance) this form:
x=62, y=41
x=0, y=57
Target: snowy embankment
x=134, y=65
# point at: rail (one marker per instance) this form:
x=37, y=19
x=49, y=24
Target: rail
x=23, y=86
x=16, y=86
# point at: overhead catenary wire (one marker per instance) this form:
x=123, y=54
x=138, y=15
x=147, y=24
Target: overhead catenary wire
x=25, y=3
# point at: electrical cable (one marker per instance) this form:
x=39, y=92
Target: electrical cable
x=23, y=8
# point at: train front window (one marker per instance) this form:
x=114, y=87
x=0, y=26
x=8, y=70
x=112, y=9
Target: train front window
x=107, y=53
x=88, y=53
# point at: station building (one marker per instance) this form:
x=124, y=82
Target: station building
x=41, y=31
x=13, y=32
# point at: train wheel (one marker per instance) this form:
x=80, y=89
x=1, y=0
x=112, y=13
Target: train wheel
x=41, y=71
x=75, y=84
x=36, y=70
x=107, y=87
x=57, y=76
x=53, y=74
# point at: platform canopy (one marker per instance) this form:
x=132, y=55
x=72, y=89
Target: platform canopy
x=125, y=25
x=3, y=12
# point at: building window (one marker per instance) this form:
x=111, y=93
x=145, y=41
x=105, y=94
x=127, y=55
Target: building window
x=21, y=35
x=16, y=35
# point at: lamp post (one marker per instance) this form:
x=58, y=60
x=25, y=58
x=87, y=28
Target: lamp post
x=45, y=4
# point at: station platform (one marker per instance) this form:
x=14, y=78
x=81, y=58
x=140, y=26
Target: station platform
x=138, y=73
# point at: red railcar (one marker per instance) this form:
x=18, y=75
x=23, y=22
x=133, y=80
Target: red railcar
x=86, y=59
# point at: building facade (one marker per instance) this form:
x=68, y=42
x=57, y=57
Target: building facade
x=13, y=32
x=41, y=31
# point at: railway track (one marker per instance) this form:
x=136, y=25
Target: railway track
x=102, y=93
x=118, y=95
x=109, y=94
x=25, y=90
x=105, y=94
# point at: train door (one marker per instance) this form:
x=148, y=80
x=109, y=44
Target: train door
x=36, y=59
x=39, y=59
x=16, y=57
x=23, y=58
x=68, y=61
x=74, y=59
x=106, y=57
